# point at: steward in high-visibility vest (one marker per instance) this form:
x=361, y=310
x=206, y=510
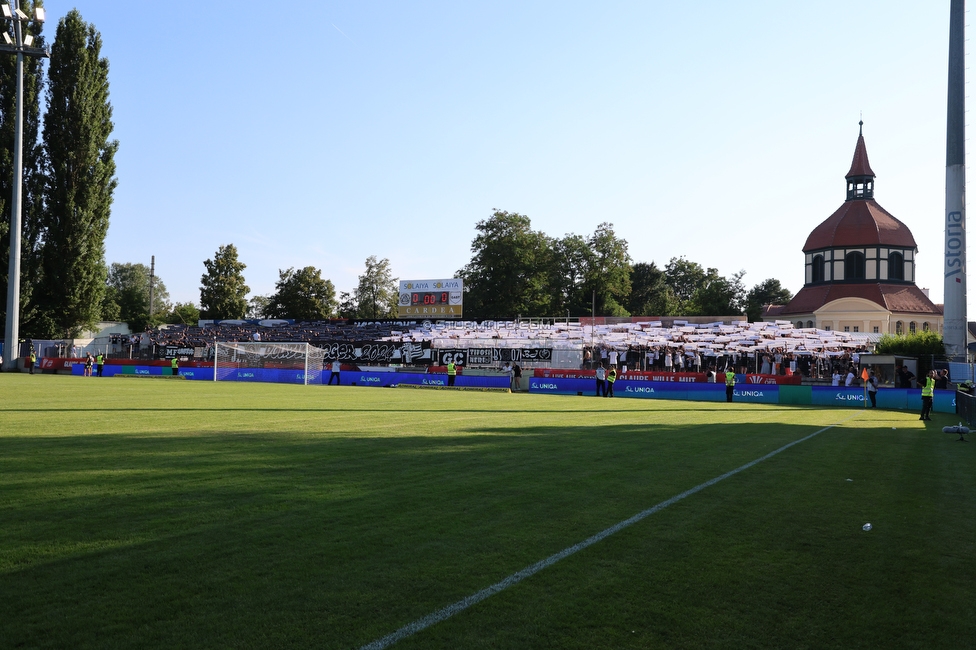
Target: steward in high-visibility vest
x=451, y=372
x=611, y=377
x=175, y=365
x=729, y=384
x=99, y=364
x=927, y=392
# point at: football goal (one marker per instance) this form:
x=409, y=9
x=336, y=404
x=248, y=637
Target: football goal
x=284, y=363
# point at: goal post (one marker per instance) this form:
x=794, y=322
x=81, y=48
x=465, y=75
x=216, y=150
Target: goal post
x=284, y=363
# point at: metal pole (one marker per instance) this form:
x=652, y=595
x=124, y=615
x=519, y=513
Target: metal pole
x=152, y=277
x=955, y=327
x=12, y=330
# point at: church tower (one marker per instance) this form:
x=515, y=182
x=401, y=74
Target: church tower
x=860, y=267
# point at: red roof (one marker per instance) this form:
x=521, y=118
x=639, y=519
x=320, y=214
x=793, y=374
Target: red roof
x=860, y=222
x=860, y=165
x=900, y=298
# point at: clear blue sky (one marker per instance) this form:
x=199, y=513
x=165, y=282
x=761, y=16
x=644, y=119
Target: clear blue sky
x=318, y=133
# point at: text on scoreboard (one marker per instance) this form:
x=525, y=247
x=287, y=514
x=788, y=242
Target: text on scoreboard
x=431, y=298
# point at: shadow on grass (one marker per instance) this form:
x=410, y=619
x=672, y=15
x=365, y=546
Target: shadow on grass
x=272, y=540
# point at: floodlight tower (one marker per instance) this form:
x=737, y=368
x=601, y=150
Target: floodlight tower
x=22, y=45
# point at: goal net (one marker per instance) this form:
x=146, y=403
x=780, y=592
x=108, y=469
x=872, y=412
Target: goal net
x=284, y=363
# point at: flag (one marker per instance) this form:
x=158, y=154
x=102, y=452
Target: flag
x=864, y=374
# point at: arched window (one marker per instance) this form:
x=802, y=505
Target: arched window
x=818, y=268
x=911, y=327
x=809, y=323
x=896, y=266
x=925, y=326
x=799, y=324
x=854, y=266
x=899, y=328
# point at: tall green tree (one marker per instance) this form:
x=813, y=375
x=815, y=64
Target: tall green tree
x=767, y=292
x=378, y=291
x=650, y=294
x=609, y=271
x=32, y=196
x=720, y=296
x=684, y=277
x=570, y=259
x=127, y=296
x=303, y=295
x=183, y=312
x=507, y=275
x=80, y=177
x=223, y=294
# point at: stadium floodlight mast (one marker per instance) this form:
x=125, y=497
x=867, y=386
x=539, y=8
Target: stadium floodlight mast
x=22, y=45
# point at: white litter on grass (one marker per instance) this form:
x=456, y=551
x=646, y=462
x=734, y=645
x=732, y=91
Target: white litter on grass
x=461, y=605
x=851, y=480
x=866, y=527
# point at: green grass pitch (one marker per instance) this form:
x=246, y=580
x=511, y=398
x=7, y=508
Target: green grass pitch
x=164, y=514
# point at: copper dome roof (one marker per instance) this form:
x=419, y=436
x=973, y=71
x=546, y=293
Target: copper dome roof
x=860, y=222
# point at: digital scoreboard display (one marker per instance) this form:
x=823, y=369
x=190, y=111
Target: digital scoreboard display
x=430, y=299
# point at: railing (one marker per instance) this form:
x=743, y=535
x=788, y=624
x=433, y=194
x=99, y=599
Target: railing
x=966, y=407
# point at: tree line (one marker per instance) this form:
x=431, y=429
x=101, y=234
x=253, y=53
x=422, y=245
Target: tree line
x=514, y=271
x=69, y=177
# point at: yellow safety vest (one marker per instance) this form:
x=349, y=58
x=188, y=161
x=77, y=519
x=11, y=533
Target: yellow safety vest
x=929, y=387
x=451, y=369
x=730, y=378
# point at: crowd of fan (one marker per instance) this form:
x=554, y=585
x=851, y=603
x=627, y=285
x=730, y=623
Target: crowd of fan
x=315, y=332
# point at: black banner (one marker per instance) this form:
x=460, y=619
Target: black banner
x=492, y=356
x=170, y=351
x=377, y=352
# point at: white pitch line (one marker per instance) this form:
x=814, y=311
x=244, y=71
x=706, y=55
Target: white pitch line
x=519, y=576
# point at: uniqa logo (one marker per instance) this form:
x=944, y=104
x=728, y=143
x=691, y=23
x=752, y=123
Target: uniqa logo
x=546, y=386
x=749, y=393
x=370, y=380
x=639, y=389
x=142, y=372
x=849, y=398
x=433, y=382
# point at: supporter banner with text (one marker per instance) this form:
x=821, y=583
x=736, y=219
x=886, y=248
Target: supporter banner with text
x=492, y=356
x=378, y=352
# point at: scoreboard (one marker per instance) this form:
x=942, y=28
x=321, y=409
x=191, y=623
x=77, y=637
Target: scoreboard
x=430, y=298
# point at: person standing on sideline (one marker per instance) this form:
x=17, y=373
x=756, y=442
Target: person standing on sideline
x=601, y=381
x=31, y=360
x=729, y=383
x=175, y=365
x=611, y=377
x=451, y=372
x=89, y=361
x=99, y=363
x=336, y=366
x=517, y=376
x=873, y=389
x=927, y=393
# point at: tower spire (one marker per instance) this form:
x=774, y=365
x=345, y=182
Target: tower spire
x=860, y=177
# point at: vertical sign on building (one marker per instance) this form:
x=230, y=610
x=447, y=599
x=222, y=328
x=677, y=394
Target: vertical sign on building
x=955, y=327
